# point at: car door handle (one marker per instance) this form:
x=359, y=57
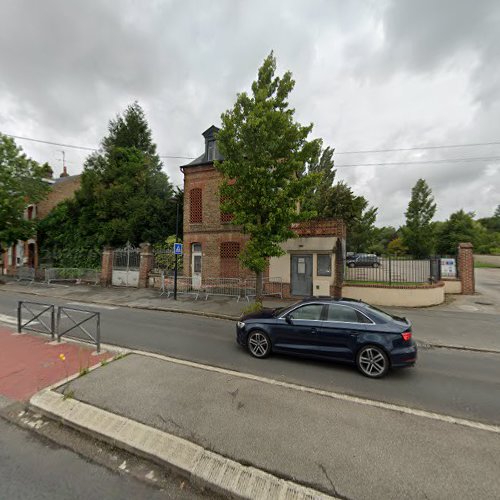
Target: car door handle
x=314, y=330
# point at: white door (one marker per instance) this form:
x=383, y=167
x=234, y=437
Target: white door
x=196, y=265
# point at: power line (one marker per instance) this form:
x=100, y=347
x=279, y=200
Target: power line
x=420, y=162
x=85, y=148
x=419, y=148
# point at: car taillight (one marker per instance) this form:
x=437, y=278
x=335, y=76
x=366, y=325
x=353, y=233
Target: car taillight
x=406, y=336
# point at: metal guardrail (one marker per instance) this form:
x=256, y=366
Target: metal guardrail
x=271, y=287
x=25, y=274
x=36, y=317
x=78, y=275
x=185, y=285
x=225, y=287
x=71, y=313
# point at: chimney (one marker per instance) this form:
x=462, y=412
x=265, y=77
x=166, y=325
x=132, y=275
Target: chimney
x=64, y=172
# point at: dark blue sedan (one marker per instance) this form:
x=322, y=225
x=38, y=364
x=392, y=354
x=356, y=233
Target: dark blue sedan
x=339, y=329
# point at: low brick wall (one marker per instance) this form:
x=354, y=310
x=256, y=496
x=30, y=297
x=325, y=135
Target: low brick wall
x=398, y=296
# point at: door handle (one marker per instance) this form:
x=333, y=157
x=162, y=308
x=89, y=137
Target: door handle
x=314, y=330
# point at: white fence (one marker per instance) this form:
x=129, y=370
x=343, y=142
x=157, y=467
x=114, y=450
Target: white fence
x=73, y=274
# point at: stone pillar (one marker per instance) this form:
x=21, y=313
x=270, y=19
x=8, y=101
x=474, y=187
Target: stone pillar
x=107, y=266
x=466, y=268
x=145, y=265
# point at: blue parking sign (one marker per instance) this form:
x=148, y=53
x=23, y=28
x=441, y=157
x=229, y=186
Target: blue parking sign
x=177, y=248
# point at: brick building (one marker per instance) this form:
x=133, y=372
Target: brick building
x=25, y=253
x=212, y=244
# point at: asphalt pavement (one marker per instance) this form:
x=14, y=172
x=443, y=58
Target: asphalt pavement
x=35, y=469
x=458, y=383
x=341, y=446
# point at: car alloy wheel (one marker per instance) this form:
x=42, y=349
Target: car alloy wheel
x=351, y=264
x=259, y=344
x=376, y=264
x=372, y=361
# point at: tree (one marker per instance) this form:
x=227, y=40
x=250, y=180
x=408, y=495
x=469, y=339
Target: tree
x=460, y=227
x=397, y=247
x=124, y=194
x=21, y=182
x=418, y=234
x=264, y=169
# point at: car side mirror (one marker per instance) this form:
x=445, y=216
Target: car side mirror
x=289, y=319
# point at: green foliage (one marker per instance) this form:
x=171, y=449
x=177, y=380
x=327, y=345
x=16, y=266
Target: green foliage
x=397, y=247
x=418, y=233
x=264, y=169
x=21, y=182
x=252, y=308
x=461, y=227
x=164, y=254
x=124, y=196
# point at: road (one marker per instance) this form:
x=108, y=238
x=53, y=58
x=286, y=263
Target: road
x=31, y=468
x=457, y=383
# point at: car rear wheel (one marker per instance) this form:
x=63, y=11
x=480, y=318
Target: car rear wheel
x=372, y=361
x=259, y=344
x=351, y=264
x=376, y=264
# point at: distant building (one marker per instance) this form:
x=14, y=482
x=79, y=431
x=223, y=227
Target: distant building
x=25, y=253
x=212, y=243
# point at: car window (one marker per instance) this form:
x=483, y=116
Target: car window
x=309, y=312
x=345, y=314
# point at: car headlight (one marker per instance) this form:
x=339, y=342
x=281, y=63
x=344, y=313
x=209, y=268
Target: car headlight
x=241, y=324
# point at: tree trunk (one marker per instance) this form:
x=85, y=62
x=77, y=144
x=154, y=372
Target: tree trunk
x=258, y=286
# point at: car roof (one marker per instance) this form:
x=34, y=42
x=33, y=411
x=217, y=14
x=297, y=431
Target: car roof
x=326, y=299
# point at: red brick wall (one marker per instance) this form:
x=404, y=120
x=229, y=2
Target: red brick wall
x=212, y=231
x=466, y=268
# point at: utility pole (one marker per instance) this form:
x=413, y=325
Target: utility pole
x=176, y=240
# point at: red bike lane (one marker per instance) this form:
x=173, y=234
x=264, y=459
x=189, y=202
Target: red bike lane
x=29, y=363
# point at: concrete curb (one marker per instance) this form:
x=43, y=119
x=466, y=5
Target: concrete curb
x=200, y=466
x=420, y=343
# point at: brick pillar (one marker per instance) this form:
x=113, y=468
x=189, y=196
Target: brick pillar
x=145, y=265
x=466, y=268
x=339, y=270
x=107, y=266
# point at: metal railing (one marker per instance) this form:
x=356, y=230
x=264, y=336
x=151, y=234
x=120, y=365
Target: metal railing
x=186, y=285
x=25, y=274
x=271, y=287
x=227, y=287
x=77, y=317
x=73, y=274
x=392, y=270
x=38, y=314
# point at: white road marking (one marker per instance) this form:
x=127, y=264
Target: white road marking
x=334, y=395
x=12, y=320
x=95, y=306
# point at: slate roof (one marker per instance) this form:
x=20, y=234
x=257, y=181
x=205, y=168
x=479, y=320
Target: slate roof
x=209, y=135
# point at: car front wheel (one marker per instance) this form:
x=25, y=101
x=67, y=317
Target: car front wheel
x=259, y=344
x=372, y=361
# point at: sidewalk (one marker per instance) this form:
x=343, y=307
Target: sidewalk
x=206, y=421
x=440, y=326
x=28, y=363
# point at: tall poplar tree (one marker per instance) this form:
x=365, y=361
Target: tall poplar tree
x=264, y=169
x=418, y=233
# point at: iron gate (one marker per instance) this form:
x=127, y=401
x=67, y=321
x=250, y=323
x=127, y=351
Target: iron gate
x=126, y=262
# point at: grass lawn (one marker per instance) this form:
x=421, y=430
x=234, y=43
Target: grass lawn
x=488, y=266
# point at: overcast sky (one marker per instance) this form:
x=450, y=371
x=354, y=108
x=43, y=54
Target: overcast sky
x=369, y=75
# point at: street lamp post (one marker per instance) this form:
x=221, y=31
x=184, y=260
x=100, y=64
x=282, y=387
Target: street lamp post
x=176, y=240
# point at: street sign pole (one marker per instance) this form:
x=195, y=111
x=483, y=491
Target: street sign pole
x=176, y=238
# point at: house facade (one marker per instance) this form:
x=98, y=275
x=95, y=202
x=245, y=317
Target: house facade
x=212, y=244
x=25, y=253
